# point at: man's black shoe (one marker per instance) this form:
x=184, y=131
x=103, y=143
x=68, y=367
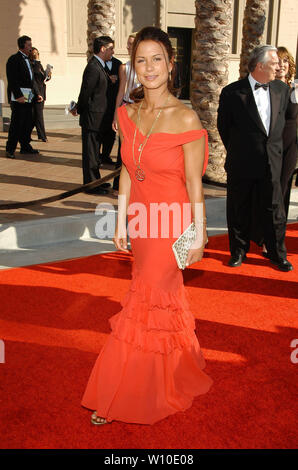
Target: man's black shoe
x=101, y=186
x=101, y=191
x=108, y=161
x=104, y=163
x=282, y=265
x=10, y=154
x=265, y=254
x=236, y=260
x=29, y=151
x=98, y=191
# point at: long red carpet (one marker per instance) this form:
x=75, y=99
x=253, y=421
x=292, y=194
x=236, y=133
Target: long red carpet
x=54, y=320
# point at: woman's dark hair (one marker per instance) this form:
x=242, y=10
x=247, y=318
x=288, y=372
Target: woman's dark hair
x=151, y=33
x=31, y=58
x=101, y=41
x=22, y=41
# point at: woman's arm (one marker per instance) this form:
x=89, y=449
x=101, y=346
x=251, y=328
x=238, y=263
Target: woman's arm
x=120, y=237
x=194, y=154
x=120, y=94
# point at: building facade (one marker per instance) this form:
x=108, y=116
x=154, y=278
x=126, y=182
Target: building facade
x=59, y=31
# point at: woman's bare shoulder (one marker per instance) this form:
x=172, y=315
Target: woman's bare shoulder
x=186, y=119
x=131, y=108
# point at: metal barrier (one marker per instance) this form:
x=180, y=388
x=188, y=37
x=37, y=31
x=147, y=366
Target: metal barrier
x=58, y=197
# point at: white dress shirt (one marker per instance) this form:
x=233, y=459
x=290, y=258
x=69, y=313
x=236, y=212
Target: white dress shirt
x=109, y=64
x=100, y=60
x=294, y=92
x=262, y=99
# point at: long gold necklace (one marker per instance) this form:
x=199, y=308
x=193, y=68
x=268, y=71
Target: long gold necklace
x=140, y=174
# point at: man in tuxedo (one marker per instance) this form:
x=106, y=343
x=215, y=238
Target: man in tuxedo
x=21, y=92
x=92, y=106
x=251, y=119
x=108, y=139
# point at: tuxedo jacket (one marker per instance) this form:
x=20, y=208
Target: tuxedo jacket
x=92, y=101
x=18, y=76
x=113, y=87
x=249, y=148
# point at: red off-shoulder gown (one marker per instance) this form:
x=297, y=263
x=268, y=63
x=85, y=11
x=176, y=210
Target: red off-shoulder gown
x=151, y=364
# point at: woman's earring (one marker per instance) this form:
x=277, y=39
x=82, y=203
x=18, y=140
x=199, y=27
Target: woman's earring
x=170, y=76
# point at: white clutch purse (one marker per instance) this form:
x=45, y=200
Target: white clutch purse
x=182, y=245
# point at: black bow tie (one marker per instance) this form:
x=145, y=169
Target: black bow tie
x=261, y=85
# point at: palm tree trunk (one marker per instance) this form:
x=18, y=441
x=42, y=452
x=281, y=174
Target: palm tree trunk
x=101, y=21
x=252, y=31
x=210, y=74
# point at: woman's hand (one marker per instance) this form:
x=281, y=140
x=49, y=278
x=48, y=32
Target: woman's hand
x=74, y=111
x=120, y=239
x=113, y=79
x=114, y=125
x=21, y=99
x=196, y=254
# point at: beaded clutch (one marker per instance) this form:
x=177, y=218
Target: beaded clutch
x=181, y=246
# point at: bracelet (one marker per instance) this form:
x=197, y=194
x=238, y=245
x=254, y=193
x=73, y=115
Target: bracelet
x=200, y=222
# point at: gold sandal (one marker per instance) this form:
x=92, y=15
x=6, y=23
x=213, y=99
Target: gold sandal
x=97, y=420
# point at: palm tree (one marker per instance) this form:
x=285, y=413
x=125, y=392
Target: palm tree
x=101, y=21
x=252, y=31
x=213, y=29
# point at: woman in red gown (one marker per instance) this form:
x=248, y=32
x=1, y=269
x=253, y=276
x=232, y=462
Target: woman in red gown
x=151, y=364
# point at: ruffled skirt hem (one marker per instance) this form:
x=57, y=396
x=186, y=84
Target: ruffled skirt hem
x=151, y=364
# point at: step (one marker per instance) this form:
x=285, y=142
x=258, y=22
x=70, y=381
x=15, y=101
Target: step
x=58, y=238
x=45, y=231
x=54, y=118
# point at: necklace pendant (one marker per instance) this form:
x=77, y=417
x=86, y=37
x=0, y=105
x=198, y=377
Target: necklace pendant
x=140, y=174
x=140, y=147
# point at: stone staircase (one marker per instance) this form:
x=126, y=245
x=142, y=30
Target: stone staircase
x=54, y=116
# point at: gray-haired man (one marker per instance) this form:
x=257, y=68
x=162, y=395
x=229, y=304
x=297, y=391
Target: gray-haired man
x=251, y=118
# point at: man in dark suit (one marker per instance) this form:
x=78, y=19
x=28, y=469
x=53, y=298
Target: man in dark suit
x=108, y=139
x=251, y=119
x=21, y=92
x=92, y=106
